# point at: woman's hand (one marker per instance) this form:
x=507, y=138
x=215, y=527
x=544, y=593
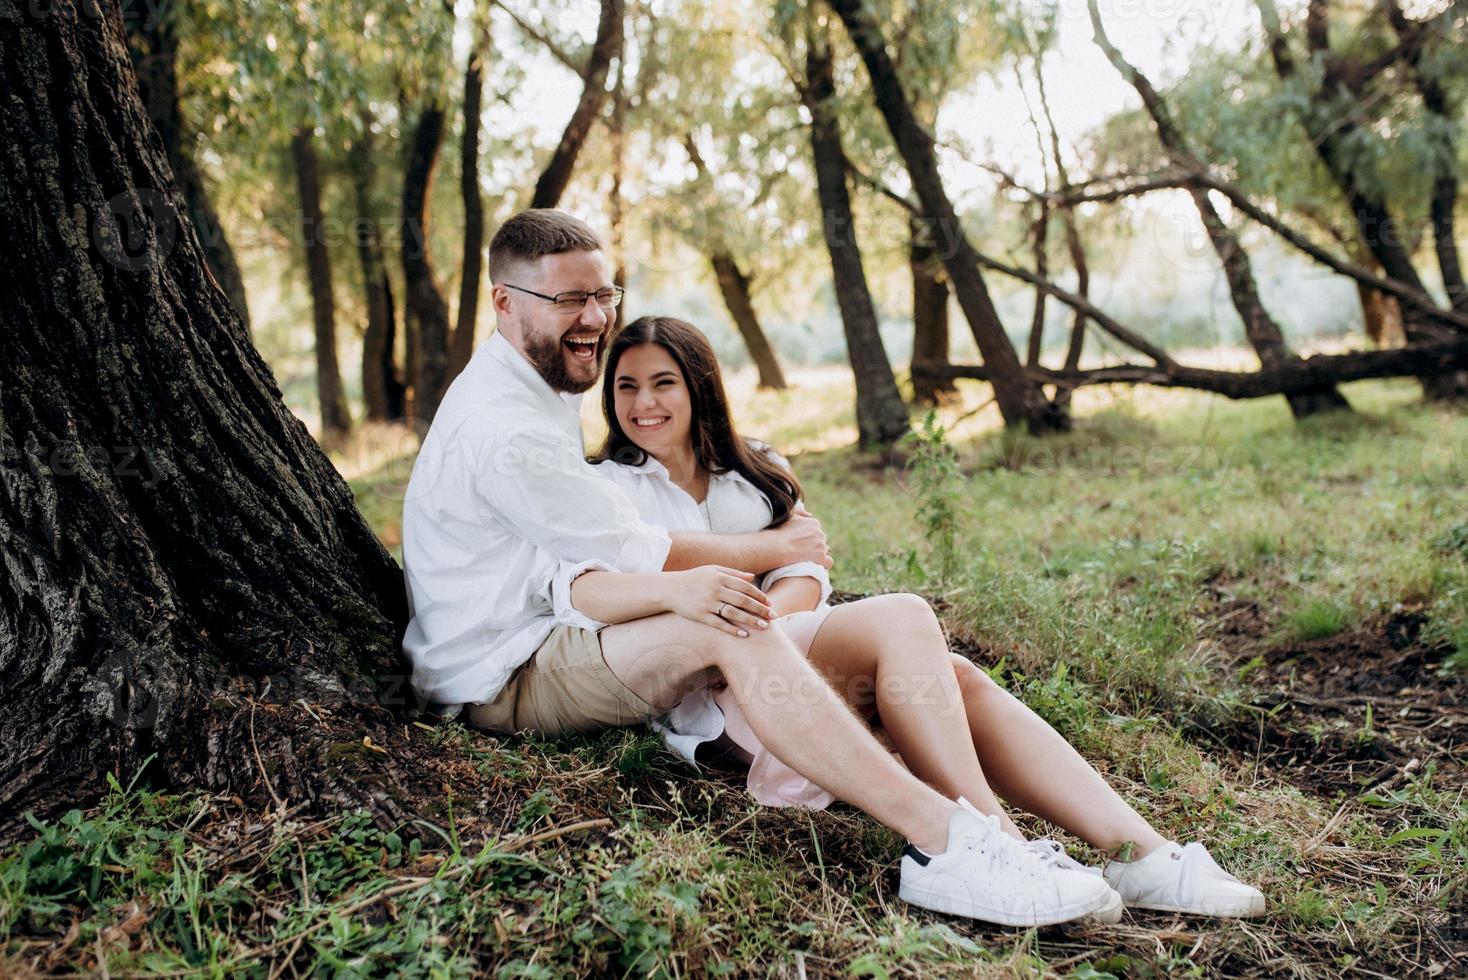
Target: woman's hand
x=724, y=598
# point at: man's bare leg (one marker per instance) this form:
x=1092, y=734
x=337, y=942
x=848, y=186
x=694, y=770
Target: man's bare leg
x=789, y=706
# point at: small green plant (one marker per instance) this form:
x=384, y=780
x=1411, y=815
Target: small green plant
x=1315, y=619
x=938, y=483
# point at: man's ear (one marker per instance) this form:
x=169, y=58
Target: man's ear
x=500, y=298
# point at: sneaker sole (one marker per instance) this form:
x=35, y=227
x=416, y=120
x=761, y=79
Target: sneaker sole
x=945, y=902
x=1234, y=910
x=1108, y=914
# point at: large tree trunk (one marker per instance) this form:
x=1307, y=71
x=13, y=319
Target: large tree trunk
x=881, y=417
x=154, y=46
x=929, y=311
x=462, y=345
x=382, y=389
x=427, y=313
x=336, y=420
x=1261, y=330
x=1021, y=400
x=1333, y=133
x=187, y=577
x=734, y=287
x=557, y=172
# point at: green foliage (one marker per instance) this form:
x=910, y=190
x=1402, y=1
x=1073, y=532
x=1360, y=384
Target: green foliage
x=937, y=484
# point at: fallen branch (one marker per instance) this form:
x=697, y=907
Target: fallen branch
x=1311, y=372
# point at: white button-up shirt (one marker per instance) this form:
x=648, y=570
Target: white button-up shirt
x=501, y=513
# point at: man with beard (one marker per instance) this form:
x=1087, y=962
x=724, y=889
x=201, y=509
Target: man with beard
x=503, y=512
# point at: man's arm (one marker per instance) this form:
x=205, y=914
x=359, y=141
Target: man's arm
x=721, y=597
x=537, y=483
x=798, y=539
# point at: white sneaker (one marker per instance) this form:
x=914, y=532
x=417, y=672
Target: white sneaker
x=1051, y=852
x=1183, y=879
x=985, y=874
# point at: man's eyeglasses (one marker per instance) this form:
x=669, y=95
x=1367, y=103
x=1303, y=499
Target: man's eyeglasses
x=573, y=300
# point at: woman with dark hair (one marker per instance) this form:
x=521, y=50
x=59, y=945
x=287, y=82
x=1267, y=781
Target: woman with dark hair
x=672, y=446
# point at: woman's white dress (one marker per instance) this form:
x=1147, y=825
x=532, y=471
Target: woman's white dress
x=733, y=505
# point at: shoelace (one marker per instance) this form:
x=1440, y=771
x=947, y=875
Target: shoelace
x=1051, y=852
x=1004, y=852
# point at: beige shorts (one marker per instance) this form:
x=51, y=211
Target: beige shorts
x=565, y=686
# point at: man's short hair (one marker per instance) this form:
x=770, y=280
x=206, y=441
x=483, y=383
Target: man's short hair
x=534, y=233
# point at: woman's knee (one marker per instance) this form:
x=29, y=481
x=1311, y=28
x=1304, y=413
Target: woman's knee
x=973, y=680
x=900, y=614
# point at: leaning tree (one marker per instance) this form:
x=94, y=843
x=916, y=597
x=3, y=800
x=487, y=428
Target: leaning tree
x=189, y=587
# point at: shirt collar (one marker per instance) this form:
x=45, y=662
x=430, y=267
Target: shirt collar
x=508, y=356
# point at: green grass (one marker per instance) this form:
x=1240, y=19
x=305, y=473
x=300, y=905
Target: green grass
x=1088, y=569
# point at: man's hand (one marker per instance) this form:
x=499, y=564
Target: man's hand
x=724, y=598
x=802, y=539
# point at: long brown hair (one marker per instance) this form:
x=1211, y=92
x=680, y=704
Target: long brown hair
x=716, y=446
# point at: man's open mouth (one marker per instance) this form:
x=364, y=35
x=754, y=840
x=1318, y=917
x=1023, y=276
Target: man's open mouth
x=582, y=348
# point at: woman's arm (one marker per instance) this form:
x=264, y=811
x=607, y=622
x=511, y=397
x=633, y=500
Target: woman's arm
x=796, y=594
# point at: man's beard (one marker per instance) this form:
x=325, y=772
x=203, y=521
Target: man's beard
x=548, y=356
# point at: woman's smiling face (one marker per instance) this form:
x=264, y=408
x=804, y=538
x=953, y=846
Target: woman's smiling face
x=652, y=400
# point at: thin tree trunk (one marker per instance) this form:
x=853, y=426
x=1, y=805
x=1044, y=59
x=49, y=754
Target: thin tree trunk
x=188, y=582
x=336, y=420
x=615, y=206
x=929, y=311
x=1040, y=231
x=1021, y=400
x=427, y=312
x=881, y=417
x=1435, y=100
x=1262, y=332
x=382, y=390
x=734, y=287
x=557, y=172
x=1332, y=136
x=154, y=48
x=461, y=348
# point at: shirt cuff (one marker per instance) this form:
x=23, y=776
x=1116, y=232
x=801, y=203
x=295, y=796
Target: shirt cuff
x=646, y=552
x=564, y=613
x=801, y=569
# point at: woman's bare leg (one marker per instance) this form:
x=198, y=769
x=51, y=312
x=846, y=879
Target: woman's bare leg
x=888, y=652
x=1034, y=768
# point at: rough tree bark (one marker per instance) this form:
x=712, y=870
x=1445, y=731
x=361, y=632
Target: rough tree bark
x=557, y=172
x=184, y=568
x=336, y=419
x=734, y=287
x=154, y=45
x=382, y=389
x=1261, y=330
x=929, y=310
x=426, y=311
x=1021, y=400
x=461, y=347
x=881, y=416
x=1332, y=132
